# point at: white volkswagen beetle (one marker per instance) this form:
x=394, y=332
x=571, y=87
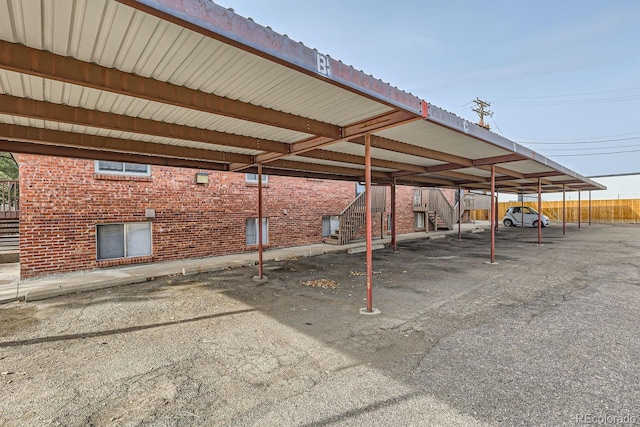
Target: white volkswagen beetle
x=517, y=215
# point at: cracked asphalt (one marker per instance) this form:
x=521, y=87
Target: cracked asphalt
x=549, y=336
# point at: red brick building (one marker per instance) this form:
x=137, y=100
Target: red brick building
x=83, y=214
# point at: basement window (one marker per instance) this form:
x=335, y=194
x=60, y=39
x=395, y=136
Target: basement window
x=252, y=231
x=252, y=178
x=121, y=168
x=126, y=240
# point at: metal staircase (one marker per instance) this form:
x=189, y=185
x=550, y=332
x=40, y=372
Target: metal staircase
x=353, y=217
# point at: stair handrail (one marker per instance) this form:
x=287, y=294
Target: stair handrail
x=9, y=198
x=438, y=203
x=355, y=212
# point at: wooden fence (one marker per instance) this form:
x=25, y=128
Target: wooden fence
x=602, y=211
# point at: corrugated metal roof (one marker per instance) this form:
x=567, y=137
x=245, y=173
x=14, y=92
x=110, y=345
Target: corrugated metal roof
x=424, y=133
x=286, y=92
x=114, y=35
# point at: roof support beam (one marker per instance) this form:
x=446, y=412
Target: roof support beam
x=414, y=150
x=499, y=159
x=433, y=182
x=504, y=171
x=77, y=140
x=384, y=121
x=359, y=160
x=464, y=176
x=542, y=174
x=455, y=162
x=314, y=167
x=35, y=62
x=41, y=110
x=81, y=153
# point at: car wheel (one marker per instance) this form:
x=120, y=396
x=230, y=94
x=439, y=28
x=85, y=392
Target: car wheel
x=507, y=223
x=535, y=223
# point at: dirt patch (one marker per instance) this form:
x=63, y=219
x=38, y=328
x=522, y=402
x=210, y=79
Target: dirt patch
x=15, y=319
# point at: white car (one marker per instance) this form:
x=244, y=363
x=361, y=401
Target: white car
x=517, y=215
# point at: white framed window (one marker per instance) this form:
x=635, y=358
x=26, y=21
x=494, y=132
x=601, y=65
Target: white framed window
x=330, y=224
x=418, y=220
x=124, y=240
x=389, y=223
x=252, y=178
x=252, y=231
x=121, y=168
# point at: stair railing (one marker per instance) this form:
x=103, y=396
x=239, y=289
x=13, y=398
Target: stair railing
x=353, y=217
x=9, y=199
x=438, y=203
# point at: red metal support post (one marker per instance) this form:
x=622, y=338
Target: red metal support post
x=260, y=269
x=522, y=211
x=539, y=210
x=579, y=209
x=564, y=209
x=460, y=200
x=493, y=207
x=497, y=215
x=367, y=180
x=394, y=241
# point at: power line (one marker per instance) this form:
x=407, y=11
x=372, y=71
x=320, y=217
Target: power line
x=497, y=127
x=593, y=148
x=595, y=154
x=601, y=137
x=572, y=101
x=579, y=142
x=567, y=95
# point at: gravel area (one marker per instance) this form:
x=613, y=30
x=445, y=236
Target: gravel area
x=548, y=336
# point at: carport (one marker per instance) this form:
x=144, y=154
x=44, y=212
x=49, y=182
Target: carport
x=191, y=84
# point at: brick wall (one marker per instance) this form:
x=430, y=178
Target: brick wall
x=62, y=200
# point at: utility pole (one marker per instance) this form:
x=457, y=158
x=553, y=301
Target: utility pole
x=481, y=109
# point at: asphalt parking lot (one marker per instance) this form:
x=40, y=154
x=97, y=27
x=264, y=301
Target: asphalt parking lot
x=549, y=336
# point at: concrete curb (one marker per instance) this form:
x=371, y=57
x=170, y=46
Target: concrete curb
x=361, y=249
x=91, y=286
x=52, y=287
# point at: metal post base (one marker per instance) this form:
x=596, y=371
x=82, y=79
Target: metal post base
x=373, y=311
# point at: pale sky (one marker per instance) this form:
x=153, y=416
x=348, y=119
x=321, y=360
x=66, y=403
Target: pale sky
x=562, y=73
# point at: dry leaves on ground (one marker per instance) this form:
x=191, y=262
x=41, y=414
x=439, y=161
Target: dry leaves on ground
x=320, y=283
